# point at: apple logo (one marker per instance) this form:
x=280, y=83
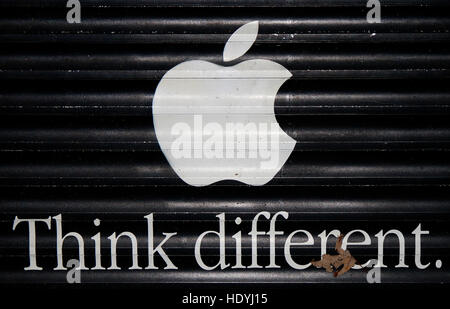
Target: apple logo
x=217, y=123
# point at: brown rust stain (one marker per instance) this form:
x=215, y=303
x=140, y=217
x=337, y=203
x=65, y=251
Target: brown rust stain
x=337, y=264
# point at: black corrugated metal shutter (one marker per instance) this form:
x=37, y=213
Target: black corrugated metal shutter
x=368, y=105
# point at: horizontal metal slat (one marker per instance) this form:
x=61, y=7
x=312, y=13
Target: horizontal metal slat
x=235, y=276
x=108, y=75
x=134, y=98
x=311, y=133
x=352, y=168
x=217, y=3
x=298, y=58
x=190, y=22
x=184, y=25
x=302, y=203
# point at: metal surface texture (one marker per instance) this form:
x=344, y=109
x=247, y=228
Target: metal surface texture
x=368, y=105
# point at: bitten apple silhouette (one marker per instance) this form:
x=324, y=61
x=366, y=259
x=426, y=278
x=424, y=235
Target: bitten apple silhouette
x=217, y=123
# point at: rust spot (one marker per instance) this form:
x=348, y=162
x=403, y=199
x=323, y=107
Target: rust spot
x=337, y=264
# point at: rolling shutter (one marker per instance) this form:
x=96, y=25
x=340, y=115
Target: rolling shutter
x=368, y=105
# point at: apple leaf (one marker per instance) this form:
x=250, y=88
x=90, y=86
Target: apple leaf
x=240, y=41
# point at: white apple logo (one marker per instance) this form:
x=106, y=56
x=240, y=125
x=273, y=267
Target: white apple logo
x=218, y=123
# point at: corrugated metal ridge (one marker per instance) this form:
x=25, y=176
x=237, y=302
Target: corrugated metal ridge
x=367, y=105
x=219, y=3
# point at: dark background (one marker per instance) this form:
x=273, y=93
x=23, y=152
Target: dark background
x=368, y=105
